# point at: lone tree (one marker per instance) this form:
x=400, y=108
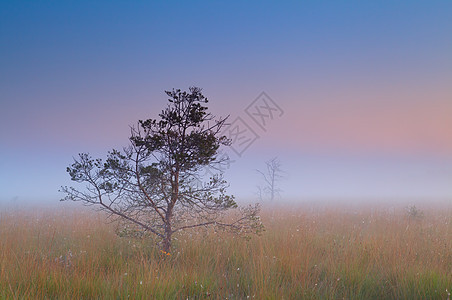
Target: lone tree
x=156, y=184
x=271, y=176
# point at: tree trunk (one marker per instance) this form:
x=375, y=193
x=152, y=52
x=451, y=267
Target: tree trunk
x=167, y=239
x=169, y=213
x=166, y=245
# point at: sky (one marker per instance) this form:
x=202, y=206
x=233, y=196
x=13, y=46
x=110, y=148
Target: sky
x=357, y=96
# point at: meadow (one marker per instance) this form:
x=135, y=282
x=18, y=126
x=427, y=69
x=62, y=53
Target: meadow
x=304, y=253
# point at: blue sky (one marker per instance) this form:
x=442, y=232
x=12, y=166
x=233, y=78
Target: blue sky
x=365, y=88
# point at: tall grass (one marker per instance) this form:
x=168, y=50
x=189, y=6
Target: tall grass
x=303, y=254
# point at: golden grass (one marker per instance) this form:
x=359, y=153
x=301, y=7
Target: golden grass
x=303, y=254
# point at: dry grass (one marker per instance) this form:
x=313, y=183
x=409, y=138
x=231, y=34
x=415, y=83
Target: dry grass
x=303, y=254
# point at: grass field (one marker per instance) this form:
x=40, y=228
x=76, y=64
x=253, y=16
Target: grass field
x=305, y=253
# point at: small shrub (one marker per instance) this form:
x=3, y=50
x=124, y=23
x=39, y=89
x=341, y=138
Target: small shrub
x=414, y=213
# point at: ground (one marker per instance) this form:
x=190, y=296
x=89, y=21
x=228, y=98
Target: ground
x=306, y=252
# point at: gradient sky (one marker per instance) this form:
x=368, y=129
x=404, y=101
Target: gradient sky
x=365, y=88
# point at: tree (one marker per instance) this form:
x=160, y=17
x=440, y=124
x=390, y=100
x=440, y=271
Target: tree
x=156, y=183
x=271, y=176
